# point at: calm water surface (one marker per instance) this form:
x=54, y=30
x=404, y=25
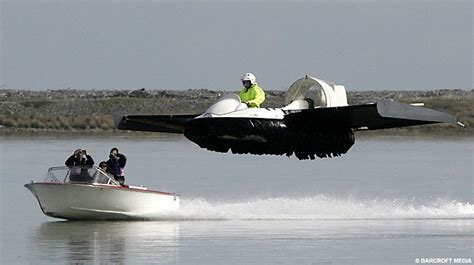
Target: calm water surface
x=388, y=201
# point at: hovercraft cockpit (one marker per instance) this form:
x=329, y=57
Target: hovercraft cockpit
x=305, y=93
x=309, y=93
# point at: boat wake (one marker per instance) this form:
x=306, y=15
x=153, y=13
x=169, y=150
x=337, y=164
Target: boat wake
x=319, y=208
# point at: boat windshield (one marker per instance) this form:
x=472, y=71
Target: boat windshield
x=79, y=174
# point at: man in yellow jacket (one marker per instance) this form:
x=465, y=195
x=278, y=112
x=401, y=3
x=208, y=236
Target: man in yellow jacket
x=252, y=94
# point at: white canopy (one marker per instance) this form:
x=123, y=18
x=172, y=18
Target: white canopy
x=319, y=91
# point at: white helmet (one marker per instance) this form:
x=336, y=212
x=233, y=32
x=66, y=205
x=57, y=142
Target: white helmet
x=249, y=77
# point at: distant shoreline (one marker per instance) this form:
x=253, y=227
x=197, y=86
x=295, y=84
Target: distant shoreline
x=76, y=112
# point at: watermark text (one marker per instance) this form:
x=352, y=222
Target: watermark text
x=443, y=260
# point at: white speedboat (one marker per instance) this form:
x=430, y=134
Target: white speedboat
x=89, y=193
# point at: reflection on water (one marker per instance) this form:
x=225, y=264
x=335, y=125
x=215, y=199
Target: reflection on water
x=250, y=242
x=106, y=242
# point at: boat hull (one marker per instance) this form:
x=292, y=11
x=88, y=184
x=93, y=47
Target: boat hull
x=90, y=201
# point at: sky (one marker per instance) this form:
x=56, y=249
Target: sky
x=111, y=44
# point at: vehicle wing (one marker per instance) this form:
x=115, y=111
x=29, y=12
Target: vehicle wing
x=154, y=123
x=380, y=115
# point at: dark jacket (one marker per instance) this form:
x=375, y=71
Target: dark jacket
x=116, y=164
x=75, y=160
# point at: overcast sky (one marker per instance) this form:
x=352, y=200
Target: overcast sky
x=364, y=45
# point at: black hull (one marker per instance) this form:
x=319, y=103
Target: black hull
x=267, y=137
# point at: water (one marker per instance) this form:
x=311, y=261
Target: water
x=388, y=201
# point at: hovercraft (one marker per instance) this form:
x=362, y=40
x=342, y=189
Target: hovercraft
x=316, y=121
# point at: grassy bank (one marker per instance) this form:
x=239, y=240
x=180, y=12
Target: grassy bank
x=69, y=111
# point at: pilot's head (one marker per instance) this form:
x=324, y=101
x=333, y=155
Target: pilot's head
x=248, y=79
